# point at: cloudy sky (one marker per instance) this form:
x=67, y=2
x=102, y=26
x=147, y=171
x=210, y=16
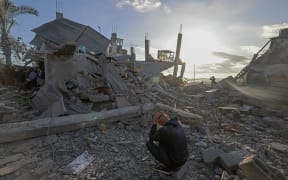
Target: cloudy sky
x=219, y=36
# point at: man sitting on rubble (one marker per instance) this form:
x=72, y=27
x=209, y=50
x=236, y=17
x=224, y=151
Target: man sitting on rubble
x=171, y=150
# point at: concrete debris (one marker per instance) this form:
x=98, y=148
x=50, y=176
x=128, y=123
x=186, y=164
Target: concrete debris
x=230, y=161
x=27, y=129
x=79, y=164
x=279, y=147
x=211, y=156
x=253, y=168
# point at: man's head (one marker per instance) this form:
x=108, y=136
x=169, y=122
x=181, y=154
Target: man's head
x=160, y=118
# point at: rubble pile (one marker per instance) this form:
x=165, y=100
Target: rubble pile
x=88, y=116
x=117, y=150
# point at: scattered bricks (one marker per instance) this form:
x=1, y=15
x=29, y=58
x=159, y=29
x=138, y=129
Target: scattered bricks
x=253, y=168
x=211, y=155
x=230, y=161
x=278, y=147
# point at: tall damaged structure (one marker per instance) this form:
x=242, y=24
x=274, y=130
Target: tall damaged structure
x=266, y=76
x=178, y=61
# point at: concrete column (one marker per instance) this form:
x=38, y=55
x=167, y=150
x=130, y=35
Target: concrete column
x=178, y=49
x=132, y=58
x=147, y=48
x=113, y=44
x=182, y=70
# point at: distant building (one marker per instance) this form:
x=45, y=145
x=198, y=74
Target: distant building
x=61, y=30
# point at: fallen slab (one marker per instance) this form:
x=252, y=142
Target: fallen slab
x=23, y=130
x=79, y=164
x=279, y=147
x=179, y=112
x=211, y=156
x=253, y=168
x=194, y=120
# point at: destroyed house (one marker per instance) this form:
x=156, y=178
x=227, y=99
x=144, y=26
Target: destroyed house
x=61, y=30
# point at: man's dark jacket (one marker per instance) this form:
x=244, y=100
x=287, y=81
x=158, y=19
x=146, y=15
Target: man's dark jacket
x=171, y=137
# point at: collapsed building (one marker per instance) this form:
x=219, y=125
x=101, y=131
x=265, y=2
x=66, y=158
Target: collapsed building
x=266, y=76
x=85, y=71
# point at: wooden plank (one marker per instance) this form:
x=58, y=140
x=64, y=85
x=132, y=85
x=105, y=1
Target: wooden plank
x=22, y=130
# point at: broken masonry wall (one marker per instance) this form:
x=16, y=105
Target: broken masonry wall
x=67, y=77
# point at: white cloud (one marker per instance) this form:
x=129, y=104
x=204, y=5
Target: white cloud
x=140, y=5
x=273, y=30
x=250, y=49
x=166, y=9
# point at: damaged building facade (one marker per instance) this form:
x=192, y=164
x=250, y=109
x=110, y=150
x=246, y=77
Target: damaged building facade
x=266, y=76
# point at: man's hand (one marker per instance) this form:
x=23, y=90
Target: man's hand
x=160, y=117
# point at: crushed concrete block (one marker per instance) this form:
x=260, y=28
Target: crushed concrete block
x=230, y=161
x=210, y=156
x=79, y=164
x=279, y=147
x=253, y=168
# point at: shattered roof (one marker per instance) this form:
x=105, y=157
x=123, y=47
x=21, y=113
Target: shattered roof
x=61, y=30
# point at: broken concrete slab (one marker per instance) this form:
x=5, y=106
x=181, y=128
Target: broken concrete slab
x=49, y=101
x=230, y=161
x=16, y=131
x=179, y=112
x=279, y=147
x=79, y=164
x=253, y=168
x=211, y=156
